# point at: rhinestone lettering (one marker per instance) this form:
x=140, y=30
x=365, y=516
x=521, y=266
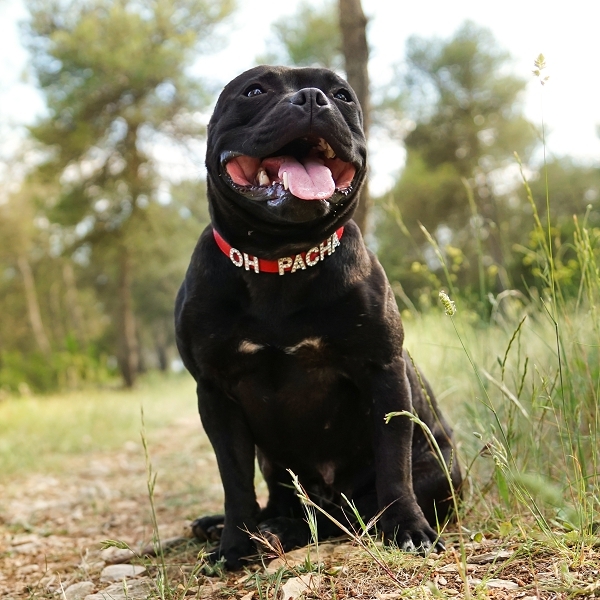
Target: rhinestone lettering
x=325, y=247
x=310, y=261
x=236, y=257
x=251, y=262
x=284, y=263
x=298, y=263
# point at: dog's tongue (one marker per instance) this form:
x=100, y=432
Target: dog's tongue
x=309, y=181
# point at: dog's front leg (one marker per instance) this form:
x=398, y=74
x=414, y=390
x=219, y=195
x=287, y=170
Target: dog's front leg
x=230, y=436
x=402, y=522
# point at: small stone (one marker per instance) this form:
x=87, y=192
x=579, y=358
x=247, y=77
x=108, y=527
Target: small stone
x=140, y=589
x=28, y=548
x=119, y=572
x=451, y=568
x=79, y=590
x=165, y=544
x=28, y=569
x=489, y=557
x=24, y=538
x=503, y=584
x=114, y=556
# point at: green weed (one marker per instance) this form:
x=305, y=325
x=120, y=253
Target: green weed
x=38, y=432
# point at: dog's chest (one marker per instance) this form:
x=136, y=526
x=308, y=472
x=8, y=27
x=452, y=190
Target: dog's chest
x=301, y=375
x=298, y=392
x=310, y=350
x=274, y=369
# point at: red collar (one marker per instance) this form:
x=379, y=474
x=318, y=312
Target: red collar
x=285, y=264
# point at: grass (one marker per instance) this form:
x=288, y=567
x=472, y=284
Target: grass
x=38, y=432
x=530, y=382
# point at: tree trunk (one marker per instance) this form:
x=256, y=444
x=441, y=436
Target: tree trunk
x=33, y=306
x=57, y=328
x=74, y=307
x=161, y=345
x=129, y=350
x=353, y=26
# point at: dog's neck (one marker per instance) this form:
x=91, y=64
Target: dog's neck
x=284, y=264
x=271, y=239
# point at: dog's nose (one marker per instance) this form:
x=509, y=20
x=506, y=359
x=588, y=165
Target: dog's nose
x=313, y=97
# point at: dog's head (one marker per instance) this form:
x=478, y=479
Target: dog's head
x=286, y=153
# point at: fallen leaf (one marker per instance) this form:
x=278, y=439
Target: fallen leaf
x=296, y=586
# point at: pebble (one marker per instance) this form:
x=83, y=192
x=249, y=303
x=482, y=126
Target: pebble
x=119, y=572
x=489, y=557
x=503, y=584
x=79, y=590
x=139, y=589
x=28, y=548
x=114, y=556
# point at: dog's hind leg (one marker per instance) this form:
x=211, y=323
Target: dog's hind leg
x=284, y=518
x=281, y=520
x=431, y=485
x=282, y=501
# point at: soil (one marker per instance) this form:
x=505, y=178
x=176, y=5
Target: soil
x=53, y=529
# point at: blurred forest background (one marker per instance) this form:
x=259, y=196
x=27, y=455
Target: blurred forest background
x=95, y=237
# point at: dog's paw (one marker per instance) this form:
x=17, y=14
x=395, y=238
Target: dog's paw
x=421, y=539
x=233, y=559
x=285, y=533
x=233, y=551
x=208, y=529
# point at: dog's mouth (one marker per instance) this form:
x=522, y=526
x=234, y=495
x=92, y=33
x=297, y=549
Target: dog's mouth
x=306, y=168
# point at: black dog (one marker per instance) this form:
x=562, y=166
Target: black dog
x=290, y=329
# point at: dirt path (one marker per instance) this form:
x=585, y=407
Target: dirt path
x=52, y=527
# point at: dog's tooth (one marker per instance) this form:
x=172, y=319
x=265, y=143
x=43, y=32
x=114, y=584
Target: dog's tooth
x=262, y=177
x=286, y=184
x=329, y=152
x=322, y=145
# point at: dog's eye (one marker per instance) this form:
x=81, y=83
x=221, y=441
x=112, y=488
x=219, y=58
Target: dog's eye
x=343, y=95
x=254, y=90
